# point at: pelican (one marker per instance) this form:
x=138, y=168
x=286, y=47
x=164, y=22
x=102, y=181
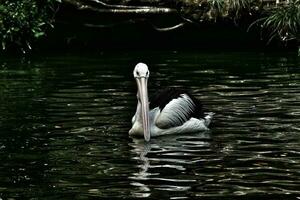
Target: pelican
x=172, y=110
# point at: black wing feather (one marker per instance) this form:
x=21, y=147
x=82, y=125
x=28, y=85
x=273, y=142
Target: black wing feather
x=162, y=98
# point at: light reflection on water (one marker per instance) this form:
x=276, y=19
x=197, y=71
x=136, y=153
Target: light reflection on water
x=174, y=154
x=64, y=128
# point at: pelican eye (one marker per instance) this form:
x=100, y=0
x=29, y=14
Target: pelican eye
x=138, y=73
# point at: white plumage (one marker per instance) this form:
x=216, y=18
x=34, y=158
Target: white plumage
x=175, y=112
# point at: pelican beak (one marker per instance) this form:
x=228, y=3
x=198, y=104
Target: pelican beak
x=143, y=98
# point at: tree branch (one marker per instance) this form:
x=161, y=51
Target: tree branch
x=121, y=9
x=102, y=7
x=130, y=21
x=117, y=6
x=171, y=28
x=149, y=10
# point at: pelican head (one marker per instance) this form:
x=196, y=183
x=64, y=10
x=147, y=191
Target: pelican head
x=141, y=71
x=141, y=74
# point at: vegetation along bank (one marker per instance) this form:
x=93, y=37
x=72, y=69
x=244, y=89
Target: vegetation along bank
x=26, y=23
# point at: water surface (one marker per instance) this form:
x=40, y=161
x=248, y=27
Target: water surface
x=64, y=122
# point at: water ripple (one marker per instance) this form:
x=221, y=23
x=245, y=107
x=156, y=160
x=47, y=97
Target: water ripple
x=64, y=130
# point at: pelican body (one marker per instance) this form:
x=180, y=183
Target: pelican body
x=170, y=111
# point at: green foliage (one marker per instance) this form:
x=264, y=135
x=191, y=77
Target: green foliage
x=219, y=5
x=282, y=22
x=237, y=7
x=23, y=21
x=215, y=9
x=218, y=8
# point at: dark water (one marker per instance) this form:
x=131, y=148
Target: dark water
x=64, y=123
